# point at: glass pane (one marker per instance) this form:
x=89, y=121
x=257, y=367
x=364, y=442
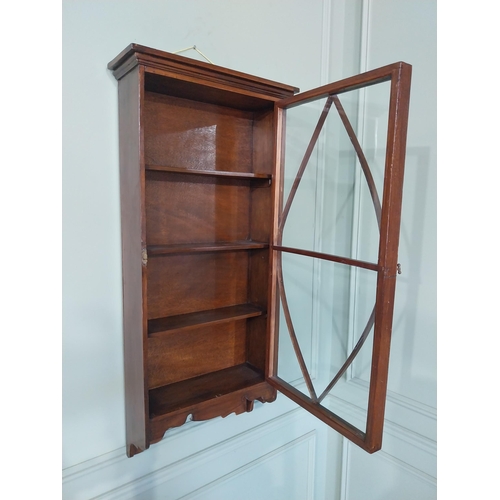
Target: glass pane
x=334, y=163
x=332, y=210
x=330, y=305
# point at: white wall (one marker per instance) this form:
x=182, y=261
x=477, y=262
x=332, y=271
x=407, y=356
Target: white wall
x=231, y=34
x=394, y=30
x=283, y=41
x=279, y=450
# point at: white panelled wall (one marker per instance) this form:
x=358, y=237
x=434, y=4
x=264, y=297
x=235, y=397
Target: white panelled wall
x=278, y=451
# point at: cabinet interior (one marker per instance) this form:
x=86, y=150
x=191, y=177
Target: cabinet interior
x=208, y=174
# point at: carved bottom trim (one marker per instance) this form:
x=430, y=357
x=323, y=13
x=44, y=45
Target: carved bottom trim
x=237, y=402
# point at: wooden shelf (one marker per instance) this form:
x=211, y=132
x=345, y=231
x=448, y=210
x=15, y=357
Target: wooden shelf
x=205, y=247
x=211, y=173
x=213, y=316
x=197, y=198
x=173, y=397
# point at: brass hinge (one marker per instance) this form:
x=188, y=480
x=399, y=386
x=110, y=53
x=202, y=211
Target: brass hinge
x=144, y=257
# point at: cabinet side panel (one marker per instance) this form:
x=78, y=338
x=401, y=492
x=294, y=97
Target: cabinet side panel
x=258, y=288
x=260, y=199
x=277, y=204
x=131, y=194
x=263, y=142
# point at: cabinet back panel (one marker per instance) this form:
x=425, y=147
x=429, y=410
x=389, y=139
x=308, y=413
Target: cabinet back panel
x=258, y=273
x=180, y=209
x=180, y=284
x=183, y=355
x=194, y=135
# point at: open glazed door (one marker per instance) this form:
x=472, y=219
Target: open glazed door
x=334, y=260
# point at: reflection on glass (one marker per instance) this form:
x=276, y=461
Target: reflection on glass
x=330, y=305
x=336, y=147
x=333, y=209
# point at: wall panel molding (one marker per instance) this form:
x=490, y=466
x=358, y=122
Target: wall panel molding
x=385, y=476
x=178, y=461
x=326, y=36
x=401, y=409
x=406, y=467
x=400, y=441
x=308, y=465
x=404, y=451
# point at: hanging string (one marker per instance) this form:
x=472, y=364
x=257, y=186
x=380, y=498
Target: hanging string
x=193, y=47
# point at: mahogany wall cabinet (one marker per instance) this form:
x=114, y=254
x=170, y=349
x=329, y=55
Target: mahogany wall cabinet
x=202, y=214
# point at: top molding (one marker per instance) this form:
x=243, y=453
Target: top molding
x=175, y=66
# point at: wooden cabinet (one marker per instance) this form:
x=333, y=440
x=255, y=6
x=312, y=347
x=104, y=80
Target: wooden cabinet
x=202, y=220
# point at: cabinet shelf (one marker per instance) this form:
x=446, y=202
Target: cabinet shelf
x=197, y=170
x=221, y=315
x=210, y=173
x=205, y=247
x=194, y=391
